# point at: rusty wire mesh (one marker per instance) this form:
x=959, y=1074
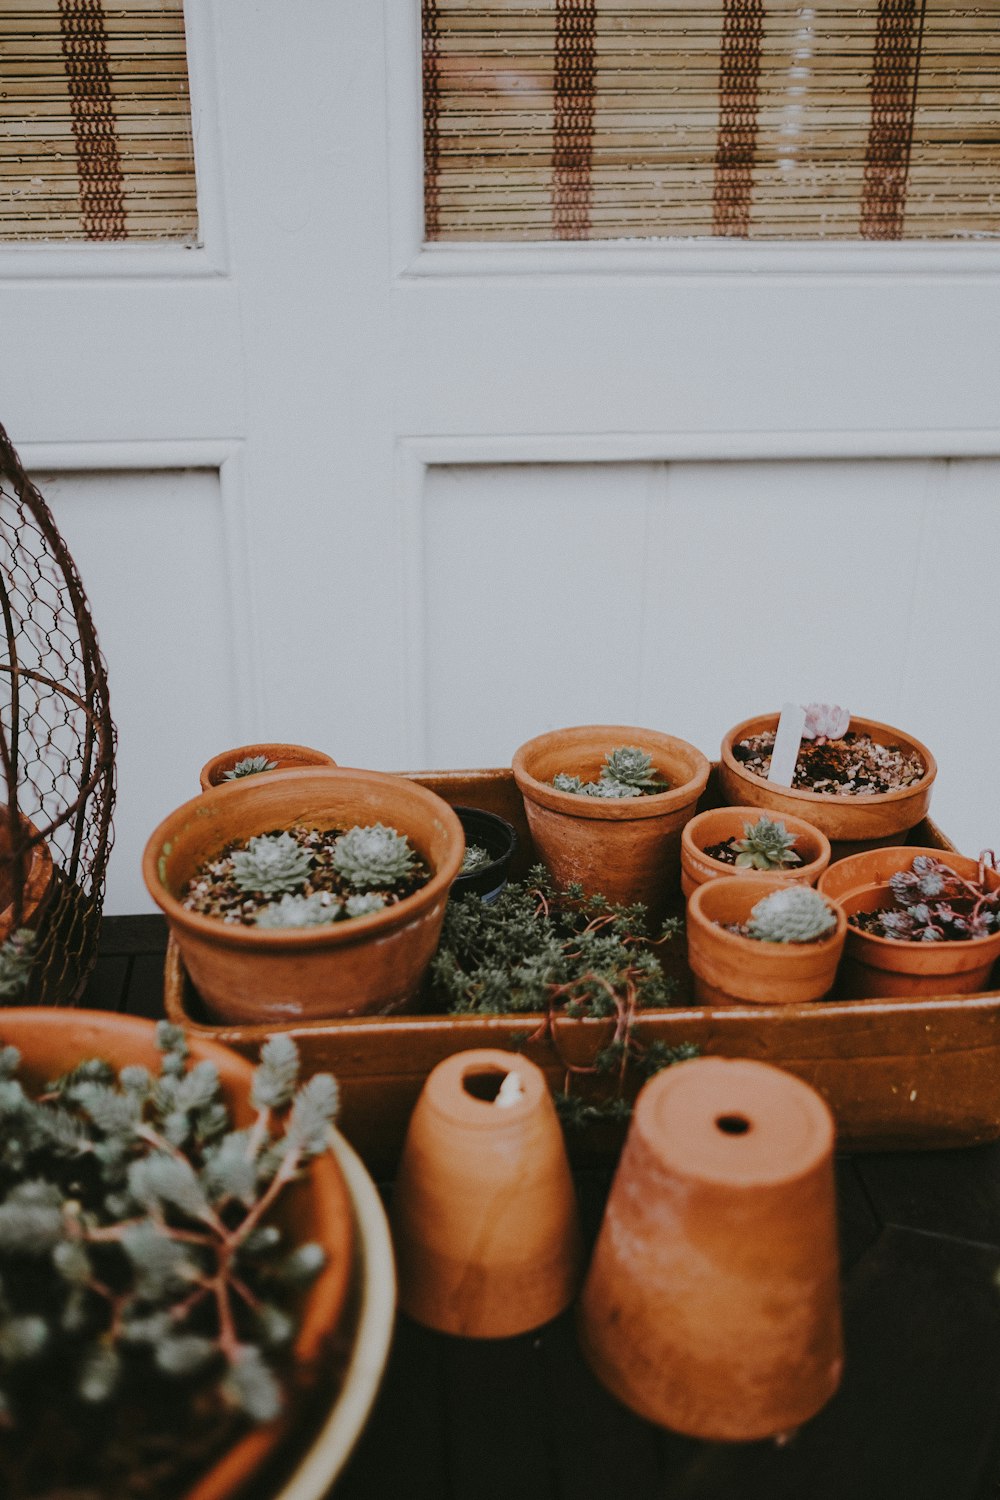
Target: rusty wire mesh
x=57, y=747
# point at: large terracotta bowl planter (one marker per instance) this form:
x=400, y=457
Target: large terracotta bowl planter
x=712, y=1303
x=850, y=823
x=629, y=850
x=37, y=876
x=287, y=758
x=721, y=823
x=52, y=1041
x=365, y=966
x=730, y=969
x=886, y=967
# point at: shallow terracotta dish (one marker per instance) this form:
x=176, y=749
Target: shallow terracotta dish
x=861, y=822
x=368, y=965
x=883, y=966
x=629, y=849
x=720, y=823
x=51, y=1041
x=288, y=758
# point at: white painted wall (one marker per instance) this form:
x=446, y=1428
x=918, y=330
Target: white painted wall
x=693, y=480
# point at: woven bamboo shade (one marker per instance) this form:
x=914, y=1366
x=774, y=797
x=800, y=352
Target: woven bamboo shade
x=587, y=119
x=95, y=121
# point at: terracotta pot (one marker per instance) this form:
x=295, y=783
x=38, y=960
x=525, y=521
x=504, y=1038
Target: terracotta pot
x=884, y=967
x=484, y=1212
x=721, y=823
x=712, y=1302
x=363, y=966
x=52, y=1041
x=851, y=823
x=629, y=850
x=288, y=757
x=36, y=878
x=729, y=968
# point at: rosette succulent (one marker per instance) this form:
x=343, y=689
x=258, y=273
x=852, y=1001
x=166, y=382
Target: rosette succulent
x=765, y=845
x=250, y=765
x=271, y=864
x=301, y=911
x=373, y=857
x=627, y=772
x=364, y=903
x=475, y=858
x=934, y=904
x=796, y=914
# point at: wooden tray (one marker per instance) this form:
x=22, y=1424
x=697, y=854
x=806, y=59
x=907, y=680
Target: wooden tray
x=899, y=1075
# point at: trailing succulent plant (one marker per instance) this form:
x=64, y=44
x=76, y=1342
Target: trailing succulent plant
x=137, y=1251
x=373, y=858
x=271, y=864
x=17, y=954
x=765, y=845
x=250, y=765
x=627, y=772
x=795, y=914
x=934, y=904
x=560, y=953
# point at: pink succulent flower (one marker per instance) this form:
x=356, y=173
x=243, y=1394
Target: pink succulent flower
x=825, y=721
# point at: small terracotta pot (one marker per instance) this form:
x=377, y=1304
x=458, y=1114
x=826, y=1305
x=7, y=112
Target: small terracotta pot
x=712, y=1303
x=36, y=877
x=363, y=966
x=288, y=758
x=883, y=967
x=721, y=823
x=851, y=823
x=629, y=850
x=729, y=968
x=318, y=1207
x=484, y=1213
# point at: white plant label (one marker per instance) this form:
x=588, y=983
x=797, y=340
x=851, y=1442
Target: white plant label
x=786, y=744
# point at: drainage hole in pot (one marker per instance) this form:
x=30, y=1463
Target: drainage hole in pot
x=484, y=1084
x=733, y=1124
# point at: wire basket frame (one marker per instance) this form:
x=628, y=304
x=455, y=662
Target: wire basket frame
x=57, y=755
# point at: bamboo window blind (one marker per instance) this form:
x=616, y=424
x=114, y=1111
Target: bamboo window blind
x=95, y=121
x=760, y=119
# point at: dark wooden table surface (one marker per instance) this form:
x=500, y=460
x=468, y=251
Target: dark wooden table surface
x=917, y=1416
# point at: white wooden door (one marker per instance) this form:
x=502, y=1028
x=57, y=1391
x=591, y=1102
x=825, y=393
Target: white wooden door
x=414, y=504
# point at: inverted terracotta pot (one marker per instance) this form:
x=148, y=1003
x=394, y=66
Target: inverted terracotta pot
x=36, y=876
x=362, y=966
x=318, y=1207
x=731, y=969
x=484, y=1212
x=627, y=849
x=850, y=823
x=721, y=823
x=884, y=967
x=712, y=1303
x=288, y=758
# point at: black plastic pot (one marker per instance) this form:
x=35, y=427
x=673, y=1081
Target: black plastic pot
x=495, y=835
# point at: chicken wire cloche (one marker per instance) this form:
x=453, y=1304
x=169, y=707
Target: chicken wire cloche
x=57, y=749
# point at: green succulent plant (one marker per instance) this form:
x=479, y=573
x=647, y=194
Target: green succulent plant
x=300, y=911
x=271, y=864
x=373, y=857
x=475, y=858
x=627, y=772
x=364, y=903
x=250, y=765
x=134, y=1238
x=765, y=845
x=795, y=914
x=16, y=957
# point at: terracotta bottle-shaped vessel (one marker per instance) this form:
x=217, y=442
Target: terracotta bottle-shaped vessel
x=484, y=1212
x=712, y=1301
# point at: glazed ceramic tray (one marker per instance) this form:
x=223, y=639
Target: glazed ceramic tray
x=897, y=1074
